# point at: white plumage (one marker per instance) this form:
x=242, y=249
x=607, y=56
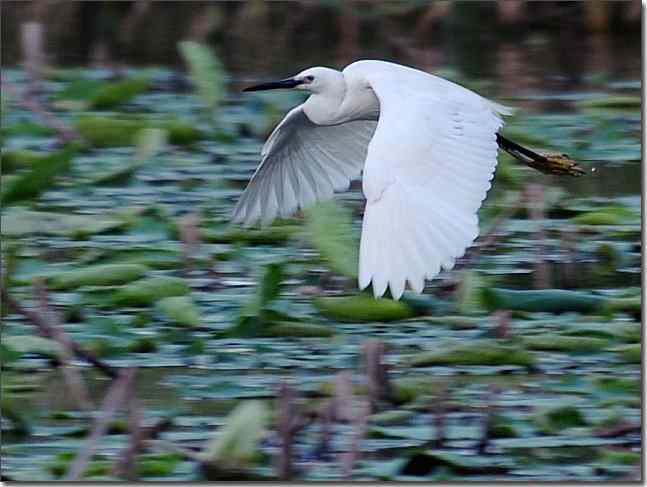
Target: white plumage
x=427, y=148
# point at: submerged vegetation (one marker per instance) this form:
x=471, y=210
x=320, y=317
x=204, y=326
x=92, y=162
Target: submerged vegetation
x=527, y=366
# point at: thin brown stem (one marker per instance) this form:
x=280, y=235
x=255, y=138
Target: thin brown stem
x=46, y=330
x=115, y=396
x=73, y=379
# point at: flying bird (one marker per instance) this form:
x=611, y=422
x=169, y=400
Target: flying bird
x=425, y=147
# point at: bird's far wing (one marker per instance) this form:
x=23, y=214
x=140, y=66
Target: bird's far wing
x=427, y=171
x=302, y=162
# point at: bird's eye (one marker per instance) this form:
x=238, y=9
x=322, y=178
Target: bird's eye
x=309, y=79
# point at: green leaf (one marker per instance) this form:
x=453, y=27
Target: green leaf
x=270, y=286
x=98, y=275
x=483, y=352
x=251, y=236
x=468, y=295
x=180, y=310
x=40, y=177
x=619, y=102
x=610, y=215
x=149, y=290
x=330, y=229
x=8, y=354
x=13, y=411
x=206, y=71
x=150, y=142
x=112, y=131
x=541, y=300
x=632, y=353
x=550, y=342
x=363, y=308
x=114, y=94
x=13, y=160
x=32, y=344
x=236, y=444
x=559, y=418
x=19, y=222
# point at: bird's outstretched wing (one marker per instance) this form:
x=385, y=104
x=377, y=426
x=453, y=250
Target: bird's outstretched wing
x=303, y=162
x=427, y=171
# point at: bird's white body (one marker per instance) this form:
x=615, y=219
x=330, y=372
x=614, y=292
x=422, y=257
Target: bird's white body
x=427, y=149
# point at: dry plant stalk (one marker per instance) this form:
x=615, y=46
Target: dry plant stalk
x=141, y=437
x=343, y=399
x=535, y=204
x=46, y=330
x=379, y=387
x=125, y=466
x=568, y=243
x=326, y=416
x=120, y=390
x=502, y=323
x=287, y=414
x=439, y=410
x=32, y=41
x=349, y=458
x=488, y=418
x=189, y=227
x=65, y=133
x=73, y=379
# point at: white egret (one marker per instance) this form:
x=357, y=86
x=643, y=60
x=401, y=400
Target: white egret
x=427, y=149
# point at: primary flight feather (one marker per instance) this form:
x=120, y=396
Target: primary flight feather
x=427, y=149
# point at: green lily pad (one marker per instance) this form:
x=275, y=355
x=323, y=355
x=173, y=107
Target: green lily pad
x=362, y=308
x=33, y=344
x=541, y=300
x=270, y=235
x=97, y=275
x=180, y=310
x=559, y=418
x=484, y=352
x=39, y=178
x=21, y=159
x=618, y=102
x=149, y=290
x=20, y=222
x=632, y=353
x=111, y=95
x=111, y=131
x=550, y=342
x=236, y=444
x=611, y=215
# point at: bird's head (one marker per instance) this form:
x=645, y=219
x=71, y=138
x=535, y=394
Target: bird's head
x=314, y=80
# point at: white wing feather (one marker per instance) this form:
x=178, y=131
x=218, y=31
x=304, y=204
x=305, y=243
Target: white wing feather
x=427, y=171
x=303, y=162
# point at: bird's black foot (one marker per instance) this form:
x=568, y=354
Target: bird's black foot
x=548, y=163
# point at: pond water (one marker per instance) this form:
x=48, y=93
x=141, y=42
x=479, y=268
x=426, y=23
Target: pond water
x=560, y=408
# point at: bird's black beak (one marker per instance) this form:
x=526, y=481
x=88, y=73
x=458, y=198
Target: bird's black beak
x=275, y=85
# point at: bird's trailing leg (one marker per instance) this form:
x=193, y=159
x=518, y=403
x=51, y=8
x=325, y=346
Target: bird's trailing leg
x=550, y=163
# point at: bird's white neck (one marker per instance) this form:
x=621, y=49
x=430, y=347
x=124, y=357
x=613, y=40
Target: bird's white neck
x=324, y=108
